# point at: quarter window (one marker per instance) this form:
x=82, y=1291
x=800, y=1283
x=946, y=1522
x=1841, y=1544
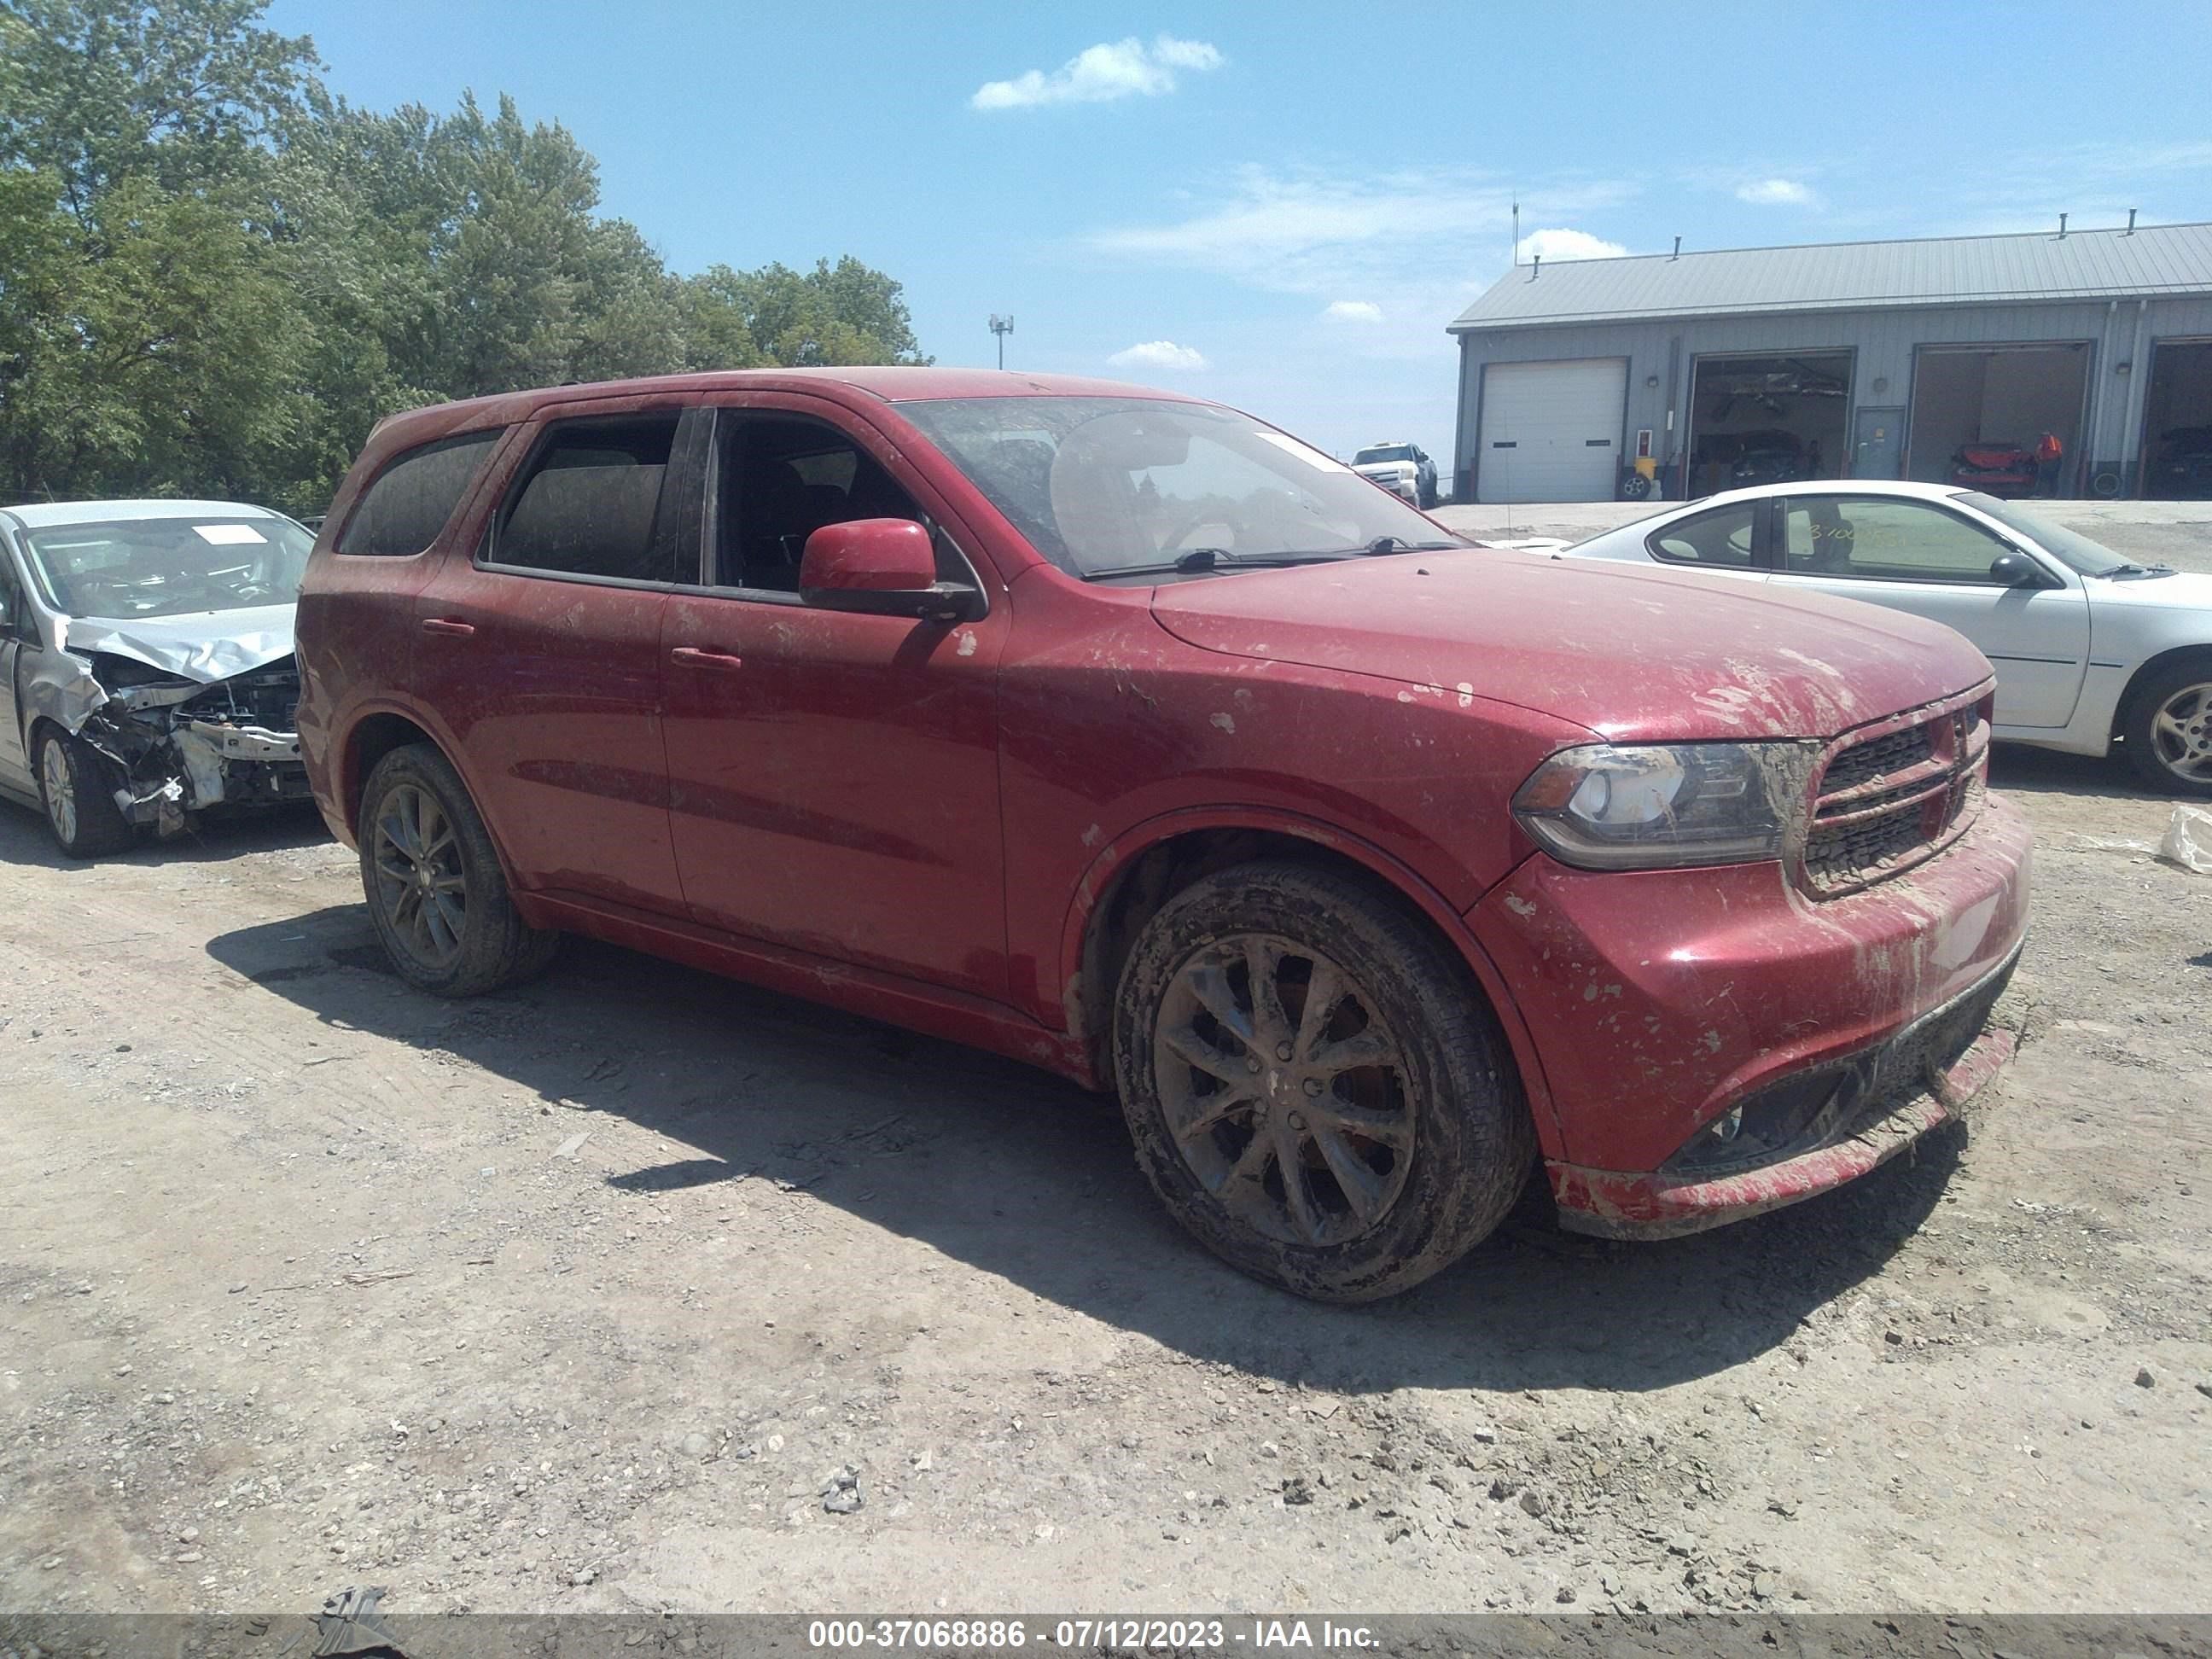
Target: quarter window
x=587, y=504
x=402, y=511
x=1721, y=537
x=1872, y=539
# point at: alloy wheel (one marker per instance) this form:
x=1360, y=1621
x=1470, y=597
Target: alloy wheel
x=59, y=784
x=1287, y=1095
x=2181, y=731
x=420, y=881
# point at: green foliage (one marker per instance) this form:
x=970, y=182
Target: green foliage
x=215, y=276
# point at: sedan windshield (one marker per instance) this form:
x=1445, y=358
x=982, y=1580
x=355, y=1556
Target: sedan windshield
x=1108, y=486
x=169, y=567
x=2089, y=558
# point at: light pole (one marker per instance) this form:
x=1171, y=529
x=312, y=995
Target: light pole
x=1001, y=326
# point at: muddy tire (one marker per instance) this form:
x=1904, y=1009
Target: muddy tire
x=77, y=785
x=2169, y=728
x=436, y=893
x=1315, y=1085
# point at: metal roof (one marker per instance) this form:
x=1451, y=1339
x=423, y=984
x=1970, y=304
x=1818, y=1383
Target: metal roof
x=2082, y=265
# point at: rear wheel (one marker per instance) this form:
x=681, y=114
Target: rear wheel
x=1313, y=1085
x=77, y=785
x=435, y=891
x=2169, y=728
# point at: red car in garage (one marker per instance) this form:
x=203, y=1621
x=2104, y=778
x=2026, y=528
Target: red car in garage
x=1124, y=733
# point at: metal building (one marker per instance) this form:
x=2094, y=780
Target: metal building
x=1877, y=360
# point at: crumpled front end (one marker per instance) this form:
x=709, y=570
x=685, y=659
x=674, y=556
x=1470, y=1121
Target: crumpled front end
x=181, y=746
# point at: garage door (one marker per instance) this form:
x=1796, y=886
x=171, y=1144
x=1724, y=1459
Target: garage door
x=1551, y=432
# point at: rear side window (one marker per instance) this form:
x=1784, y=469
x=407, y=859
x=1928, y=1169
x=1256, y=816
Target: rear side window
x=1721, y=537
x=402, y=513
x=586, y=505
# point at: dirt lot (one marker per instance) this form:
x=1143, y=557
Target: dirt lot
x=578, y=1297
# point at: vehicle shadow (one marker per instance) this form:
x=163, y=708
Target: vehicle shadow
x=2046, y=771
x=217, y=838
x=1027, y=1177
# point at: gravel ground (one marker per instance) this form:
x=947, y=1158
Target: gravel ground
x=636, y=1289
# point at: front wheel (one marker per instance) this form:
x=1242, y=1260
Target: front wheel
x=436, y=894
x=1314, y=1086
x=2169, y=729
x=77, y=785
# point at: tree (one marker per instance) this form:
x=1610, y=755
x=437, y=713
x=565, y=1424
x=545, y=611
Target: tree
x=215, y=276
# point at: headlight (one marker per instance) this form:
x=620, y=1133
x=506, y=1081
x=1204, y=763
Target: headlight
x=1665, y=805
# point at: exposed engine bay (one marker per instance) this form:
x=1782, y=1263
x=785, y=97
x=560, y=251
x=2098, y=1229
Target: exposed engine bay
x=185, y=747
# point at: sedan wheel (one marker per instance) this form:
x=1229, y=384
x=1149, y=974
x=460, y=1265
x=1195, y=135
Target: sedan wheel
x=2182, y=729
x=2169, y=729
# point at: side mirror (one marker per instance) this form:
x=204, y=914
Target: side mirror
x=881, y=567
x=2015, y=570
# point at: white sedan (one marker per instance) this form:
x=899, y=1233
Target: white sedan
x=2087, y=647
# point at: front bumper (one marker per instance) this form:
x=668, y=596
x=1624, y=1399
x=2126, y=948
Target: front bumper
x=1863, y=1112
x=1660, y=1002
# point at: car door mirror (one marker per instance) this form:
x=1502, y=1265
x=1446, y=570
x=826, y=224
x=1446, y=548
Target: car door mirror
x=2015, y=570
x=882, y=566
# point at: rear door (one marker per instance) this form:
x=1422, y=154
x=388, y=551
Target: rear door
x=541, y=652
x=1922, y=557
x=834, y=777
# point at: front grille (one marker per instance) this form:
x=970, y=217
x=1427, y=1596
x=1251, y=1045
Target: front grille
x=1897, y=796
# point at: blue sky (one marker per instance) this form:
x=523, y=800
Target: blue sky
x=1283, y=205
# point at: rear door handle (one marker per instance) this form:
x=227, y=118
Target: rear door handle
x=692, y=657
x=459, y=630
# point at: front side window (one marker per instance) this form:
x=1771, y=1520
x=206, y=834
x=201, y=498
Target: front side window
x=586, y=503
x=133, y=568
x=1870, y=538
x=781, y=477
x=402, y=511
x=1107, y=486
x=1721, y=537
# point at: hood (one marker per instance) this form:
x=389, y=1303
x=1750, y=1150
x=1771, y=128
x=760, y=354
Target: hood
x=2184, y=590
x=207, y=646
x=1635, y=655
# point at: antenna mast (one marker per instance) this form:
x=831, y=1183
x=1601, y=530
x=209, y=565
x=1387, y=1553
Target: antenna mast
x=1516, y=227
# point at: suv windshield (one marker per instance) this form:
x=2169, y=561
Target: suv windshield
x=1386, y=453
x=169, y=567
x=2087, y=557
x=1103, y=485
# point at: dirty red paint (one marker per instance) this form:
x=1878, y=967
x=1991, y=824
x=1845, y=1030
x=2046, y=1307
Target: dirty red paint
x=922, y=820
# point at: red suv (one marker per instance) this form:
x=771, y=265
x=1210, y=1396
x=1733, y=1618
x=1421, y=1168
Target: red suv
x=1124, y=733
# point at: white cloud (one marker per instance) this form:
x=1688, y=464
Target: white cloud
x=1776, y=192
x=1159, y=354
x=1354, y=311
x=1102, y=73
x=1568, y=245
x=1306, y=232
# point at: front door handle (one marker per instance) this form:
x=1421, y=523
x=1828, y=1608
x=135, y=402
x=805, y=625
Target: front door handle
x=692, y=657
x=452, y=625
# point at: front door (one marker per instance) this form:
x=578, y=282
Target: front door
x=834, y=777
x=1878, y=443
x=543, y=654
x=1921, y=557
x=14, y=629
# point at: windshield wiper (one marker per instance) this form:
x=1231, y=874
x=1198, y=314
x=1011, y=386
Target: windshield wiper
x=1382, y=545
x=1195, y=559
x=2133, y=570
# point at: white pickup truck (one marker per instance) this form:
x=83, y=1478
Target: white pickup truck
x=1400, y=468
